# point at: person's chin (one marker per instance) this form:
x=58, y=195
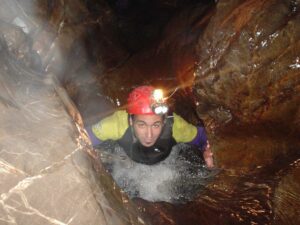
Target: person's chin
x=148, y=144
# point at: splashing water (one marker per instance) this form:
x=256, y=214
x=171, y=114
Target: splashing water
x=178, y=178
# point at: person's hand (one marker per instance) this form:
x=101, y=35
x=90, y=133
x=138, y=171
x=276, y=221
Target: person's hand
x=208, y=156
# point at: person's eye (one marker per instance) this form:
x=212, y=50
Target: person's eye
x=157, y=125
x=141, y=125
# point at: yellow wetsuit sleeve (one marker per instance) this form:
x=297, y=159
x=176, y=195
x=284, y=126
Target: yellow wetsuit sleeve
x=182, y=130
x=112, y=127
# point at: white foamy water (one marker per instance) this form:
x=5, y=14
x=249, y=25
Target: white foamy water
x=178, y=178
x=150, y=182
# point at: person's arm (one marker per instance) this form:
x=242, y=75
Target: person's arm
x=195, y=135
x=200, y=140
x=93, y=138
x=112, y=127
x=208, y=156
x=202, y=143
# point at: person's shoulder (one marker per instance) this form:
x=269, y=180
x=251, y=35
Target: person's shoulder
x=121, y=112
x=121, y=115
x=177, y=117
x=179, y=121
x=183, y=131
x=117, y=115
x=113, y=126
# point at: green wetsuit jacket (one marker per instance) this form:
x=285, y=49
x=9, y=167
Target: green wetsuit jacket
x=113, y=128
x=116, y=127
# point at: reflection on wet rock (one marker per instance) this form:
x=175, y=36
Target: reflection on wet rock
x=246, y=59
x=48, y=172
x=286, y=197
x=247, y=80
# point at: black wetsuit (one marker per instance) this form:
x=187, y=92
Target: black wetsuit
x=149, y=155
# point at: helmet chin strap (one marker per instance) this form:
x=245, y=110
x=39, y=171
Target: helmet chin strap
x=130, y=121
x=134, y=138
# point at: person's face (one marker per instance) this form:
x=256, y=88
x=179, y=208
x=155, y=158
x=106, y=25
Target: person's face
x=147, y=128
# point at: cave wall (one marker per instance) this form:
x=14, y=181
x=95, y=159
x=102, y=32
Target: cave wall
x=250, y=51
x=49, y=173
x=247, y=80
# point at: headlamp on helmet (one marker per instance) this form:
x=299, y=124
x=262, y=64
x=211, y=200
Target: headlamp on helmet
x=159, y=107
x=146, y=100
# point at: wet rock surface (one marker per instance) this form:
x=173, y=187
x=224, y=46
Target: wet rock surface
x=49, y=174
x=247, y=90
x=250, y=51
x=247, y=81
x=285, y=195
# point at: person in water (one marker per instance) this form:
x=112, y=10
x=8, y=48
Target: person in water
x=146, y=131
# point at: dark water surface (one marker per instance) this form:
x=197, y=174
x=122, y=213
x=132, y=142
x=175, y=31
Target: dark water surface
x=269, y=195
x=181, y=191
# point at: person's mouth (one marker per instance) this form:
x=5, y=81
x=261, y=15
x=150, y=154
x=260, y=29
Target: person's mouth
x=148, y=143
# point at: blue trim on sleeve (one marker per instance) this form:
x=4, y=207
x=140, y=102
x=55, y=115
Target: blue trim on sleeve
x=201, y=139
x=95, y=141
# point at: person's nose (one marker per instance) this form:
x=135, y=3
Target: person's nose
x=149, y=132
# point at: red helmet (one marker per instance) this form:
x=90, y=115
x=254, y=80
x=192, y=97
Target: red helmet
x=141, y=101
